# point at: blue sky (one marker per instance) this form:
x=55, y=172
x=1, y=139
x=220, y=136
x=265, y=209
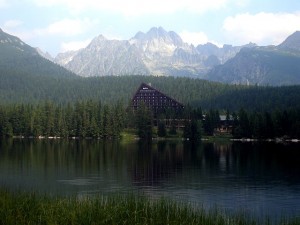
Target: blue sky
x=61, y=25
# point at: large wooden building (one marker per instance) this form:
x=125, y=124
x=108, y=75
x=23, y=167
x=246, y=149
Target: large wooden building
x=154, y=100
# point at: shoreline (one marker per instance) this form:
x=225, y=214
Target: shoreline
x=277, y=140
x=206, y=138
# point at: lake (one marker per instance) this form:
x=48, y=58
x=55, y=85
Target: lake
x=259, y=178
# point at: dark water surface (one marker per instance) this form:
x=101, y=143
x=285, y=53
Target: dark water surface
x=259, y=178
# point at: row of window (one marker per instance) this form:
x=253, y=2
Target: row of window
x=149, y=96
x=155, y=103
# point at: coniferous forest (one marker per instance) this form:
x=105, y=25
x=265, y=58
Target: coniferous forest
x=34, y=106
x=89, y=119
x=82, y=119
x=33, y=89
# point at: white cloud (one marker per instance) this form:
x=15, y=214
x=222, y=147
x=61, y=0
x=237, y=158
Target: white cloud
x=137, y=7
x=74, y=45
x=262, y=28
x=66, y=27
x=194, y=38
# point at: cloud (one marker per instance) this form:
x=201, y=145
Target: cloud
x=74, y=45
x=137, y=7
x=66, y=27
x=262, y=28
x=194, y=38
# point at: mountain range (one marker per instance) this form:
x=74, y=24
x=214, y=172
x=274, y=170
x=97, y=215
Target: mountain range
x=156, y=52
x=270, y=65
x=161, y=53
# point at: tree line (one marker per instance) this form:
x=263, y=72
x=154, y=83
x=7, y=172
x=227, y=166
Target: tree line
x=97, y=120
x=17, y=87
x=263, y=125
x=251, y=124
x=82, y=119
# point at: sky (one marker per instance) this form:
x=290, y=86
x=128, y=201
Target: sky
x=62, y=25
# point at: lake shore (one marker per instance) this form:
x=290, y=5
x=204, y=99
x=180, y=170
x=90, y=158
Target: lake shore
x=34, y=208
x=128, y=137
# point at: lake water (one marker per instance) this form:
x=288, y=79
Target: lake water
x=259, y=178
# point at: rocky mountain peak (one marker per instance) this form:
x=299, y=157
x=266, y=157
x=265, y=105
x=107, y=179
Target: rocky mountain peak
x=208, y=49
x=157, y=43
x=97, y=40
x=139, y=35
x=157, y=34
x=291, y=43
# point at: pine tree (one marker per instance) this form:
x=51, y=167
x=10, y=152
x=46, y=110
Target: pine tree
x=161, y=129
x=144, y=122
x=173, y=129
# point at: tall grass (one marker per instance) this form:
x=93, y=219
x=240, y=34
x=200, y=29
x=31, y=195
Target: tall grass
x=30, y=208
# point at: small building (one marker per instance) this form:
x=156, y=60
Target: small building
x=226, y=124
x=155, y=100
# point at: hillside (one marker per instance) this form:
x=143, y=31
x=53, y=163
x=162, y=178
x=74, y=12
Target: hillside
x=18, y=59
x=111, y=89
x=272, y=65
x=26, y=77
x=261, y=66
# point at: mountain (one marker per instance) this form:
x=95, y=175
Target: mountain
x=46, y=55
x=164, y=53
x=157, y=52
x=18, y=58
x=271, y=65
x=292, y=43
x=65, y=58
x=12, y=45
x=104, y=57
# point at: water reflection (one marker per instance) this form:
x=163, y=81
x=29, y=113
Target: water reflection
x=260, y=177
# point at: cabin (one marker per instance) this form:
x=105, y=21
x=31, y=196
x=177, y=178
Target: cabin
x=225, y=124
x=154, y=99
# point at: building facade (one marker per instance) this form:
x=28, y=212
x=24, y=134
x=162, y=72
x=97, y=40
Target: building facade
x=154, y=100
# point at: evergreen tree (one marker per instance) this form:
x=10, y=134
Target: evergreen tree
x=192, y=130
x=173, y=129
x=256, y=121
x=161, y=129
x=187, y=129
x=268, y=131
x=144, y=122
x=6, y=129
x=195, y=130
x=244, y=125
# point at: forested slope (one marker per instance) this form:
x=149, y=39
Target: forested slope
x=28, y=88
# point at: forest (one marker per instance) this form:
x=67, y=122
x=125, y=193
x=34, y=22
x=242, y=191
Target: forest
x=32, y=89
x=91, y=119
x=82, y=119
x=33, y=105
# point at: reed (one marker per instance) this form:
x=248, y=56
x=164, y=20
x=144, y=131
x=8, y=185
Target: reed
x=33, y=208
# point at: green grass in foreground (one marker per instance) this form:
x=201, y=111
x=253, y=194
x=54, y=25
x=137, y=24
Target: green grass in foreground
x=26, y=208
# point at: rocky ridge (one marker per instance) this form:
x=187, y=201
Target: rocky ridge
x=157, y=52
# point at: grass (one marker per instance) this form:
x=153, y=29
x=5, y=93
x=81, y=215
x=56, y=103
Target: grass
x=220, y=138
x=128, y=135
x=31, y=208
